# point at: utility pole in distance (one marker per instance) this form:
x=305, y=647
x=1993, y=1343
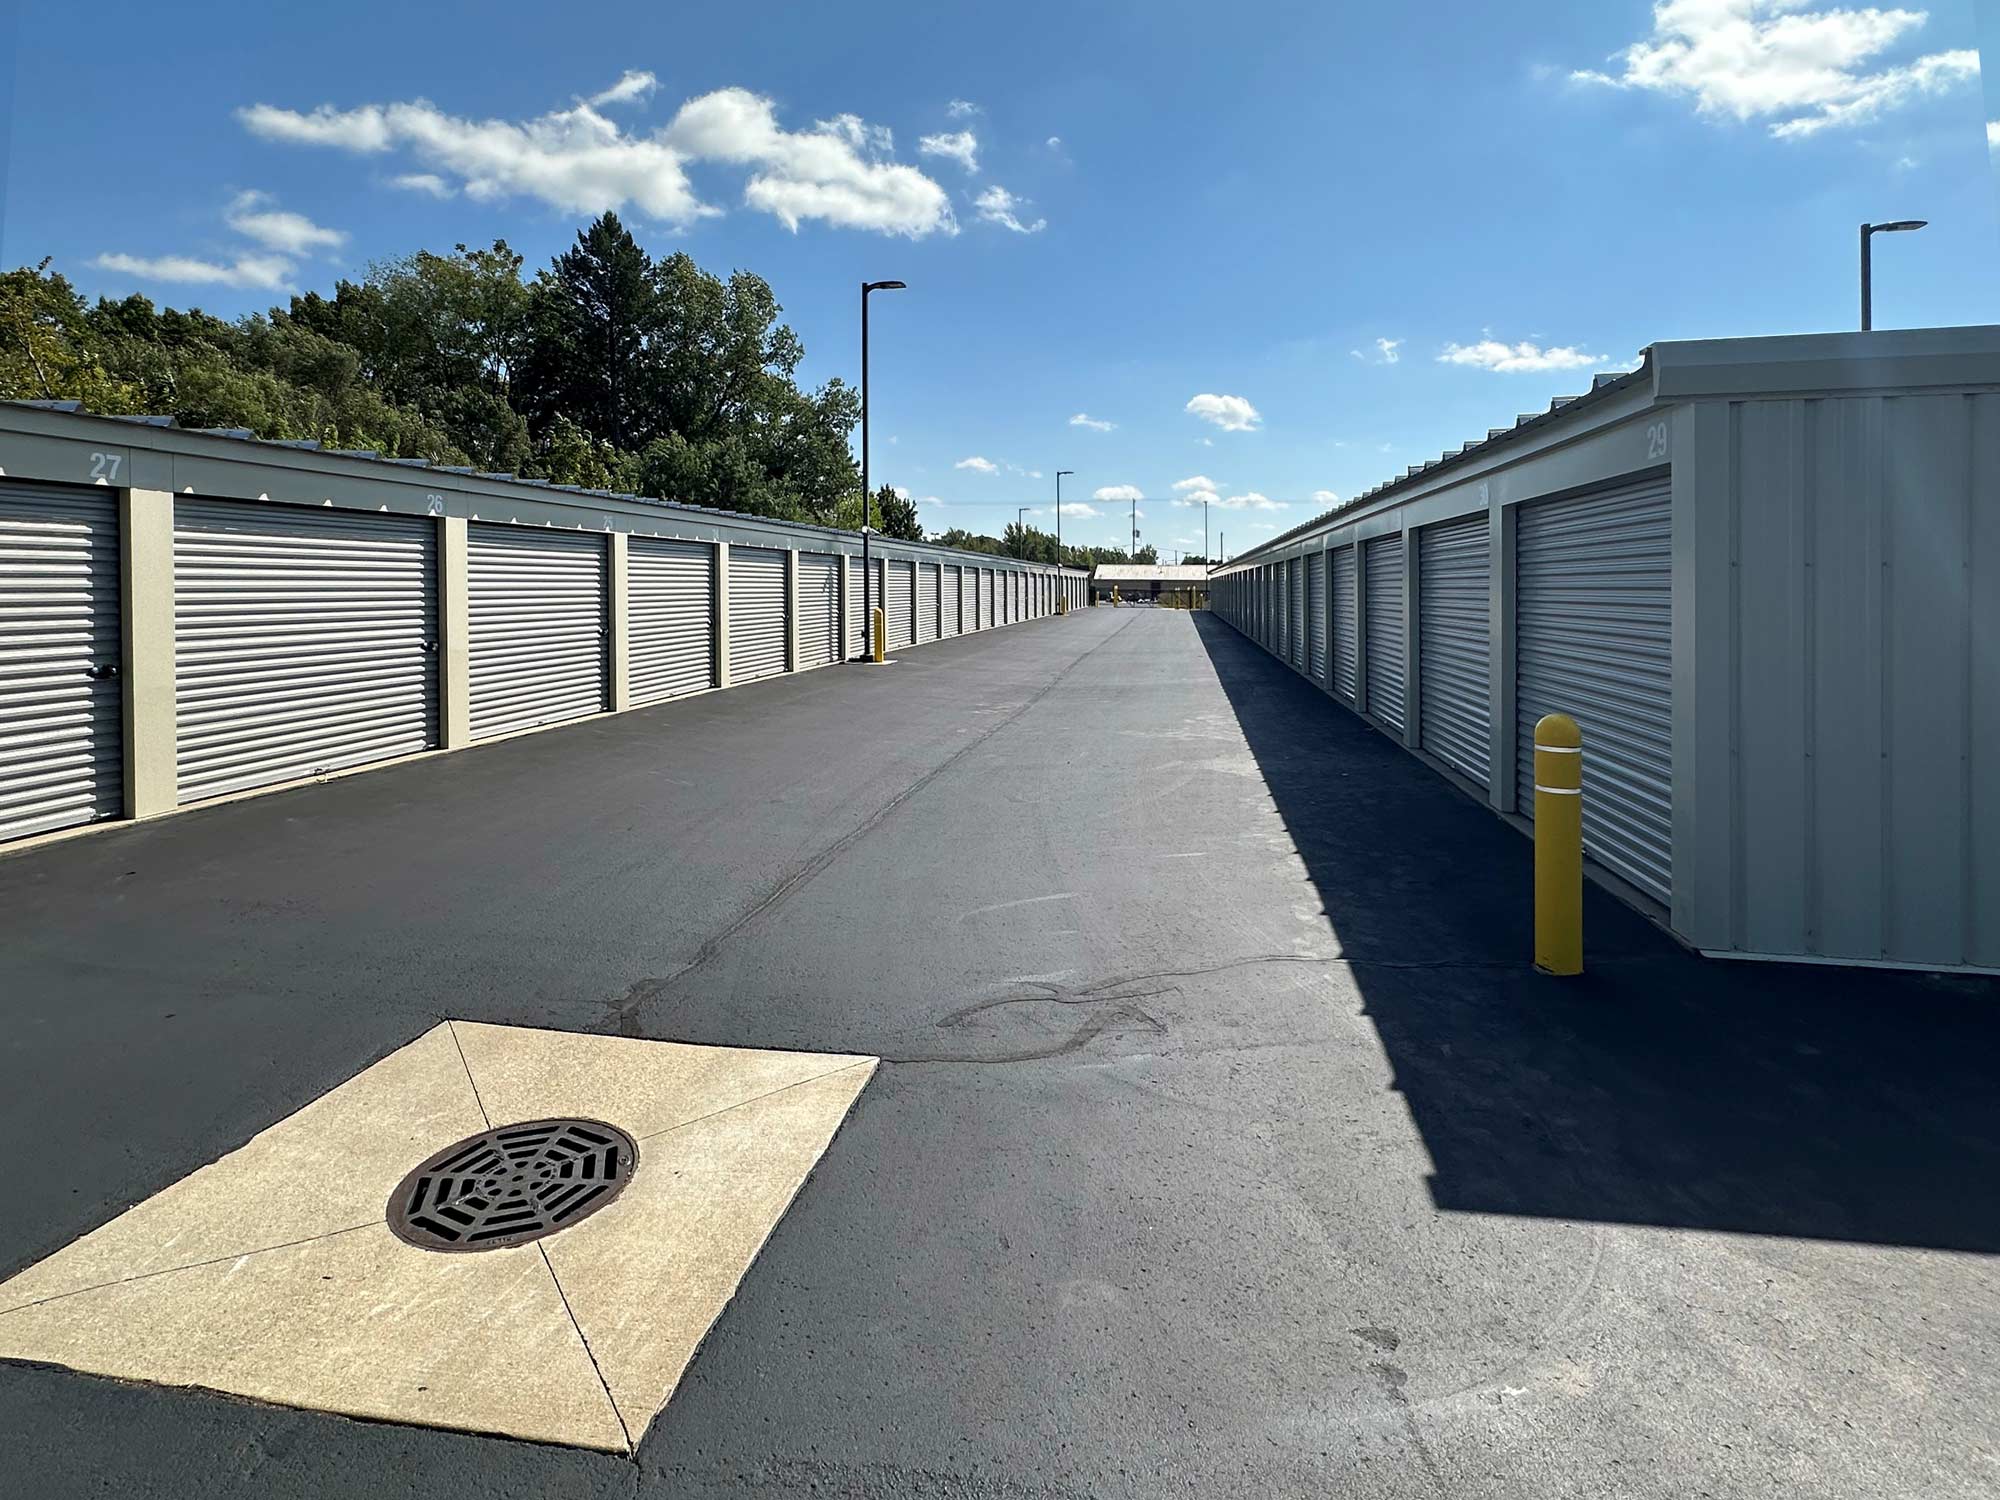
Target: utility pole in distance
x=866, y=581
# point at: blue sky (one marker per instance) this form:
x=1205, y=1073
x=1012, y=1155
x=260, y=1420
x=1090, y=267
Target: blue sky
x=1283, y=249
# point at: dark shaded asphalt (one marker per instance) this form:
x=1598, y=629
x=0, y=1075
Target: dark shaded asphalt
x=1225, y=1145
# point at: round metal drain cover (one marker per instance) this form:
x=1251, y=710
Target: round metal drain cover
x=512, y=1184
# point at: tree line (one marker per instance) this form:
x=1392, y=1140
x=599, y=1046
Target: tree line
x=609, y=369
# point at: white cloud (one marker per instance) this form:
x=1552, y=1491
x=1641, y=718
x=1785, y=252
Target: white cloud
x=1199, y=497
x=962, y=146
x=1385, y=352
x=423, y=182
x=255, y=216
x=978, y=465
x=1118, y=494
x=1055, y=143
x=902, y=490
x=998, y=206
x=1230, y=413
x=1801, y=69
x=1196, y=482
x=1251, y=501
x=1491, y=354
x=577, y=161
x=928, y=500
x=1326, y=497
x=1085, y=419
x=267, y=272
x=1078, y=508
x=960, y=109
x=1993, y=134
x=633, y=85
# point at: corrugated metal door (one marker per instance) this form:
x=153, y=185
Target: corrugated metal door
x=1316, y=605
x=1594, y=639
x=305, y=641
x=1454, y=712
x=1384, y=572
x=902, y=603
x=62, y=706
x=857, y=620
x=953, y=596
x=536, y=648
x=1346, y=653
x=1295, y=581
x=757, y=627
x=990, y=610
x=671, y=592
x=968, y=600
x=819, y=610
x=927, y=602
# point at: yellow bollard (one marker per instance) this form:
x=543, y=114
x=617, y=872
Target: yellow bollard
x=878, y=624
x=1558, y=845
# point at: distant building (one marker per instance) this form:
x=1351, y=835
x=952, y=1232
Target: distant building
x=1147, y=580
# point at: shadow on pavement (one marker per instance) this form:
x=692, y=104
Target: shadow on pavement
x=1659, y=1087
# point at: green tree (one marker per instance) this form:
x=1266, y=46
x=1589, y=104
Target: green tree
x=589, y=321
x=896, y=516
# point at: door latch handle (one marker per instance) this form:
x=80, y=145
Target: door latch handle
x=105, y=673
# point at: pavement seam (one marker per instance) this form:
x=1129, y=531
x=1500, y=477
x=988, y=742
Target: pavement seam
x=193, y=1265
x=819, y=863
x=783, y=1088
x=470, y=1080
x=589, y=1353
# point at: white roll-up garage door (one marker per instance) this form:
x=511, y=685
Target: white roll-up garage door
x=1316, y=603
x=819, y=609
x=902, y=603
x=1383, y=567
x=989, y=609
x=536, y=649
x=927, y=602
x=1346, y=642
x=1594, y=639
x=968, y=600
x=62, y=705
x=671, y=592
x=757, y=627
x=1453, y=681
x=953, y=600
x=857, y=617
x=305, y=641
x=1296, y=581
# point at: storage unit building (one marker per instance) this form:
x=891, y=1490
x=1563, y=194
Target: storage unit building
x=1763, y=575
x=672, y=602
x=818, y=609
x=757, y=629
x=537, y=626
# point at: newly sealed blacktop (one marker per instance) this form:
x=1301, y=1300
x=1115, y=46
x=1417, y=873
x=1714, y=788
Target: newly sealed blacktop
x=1222, y=1144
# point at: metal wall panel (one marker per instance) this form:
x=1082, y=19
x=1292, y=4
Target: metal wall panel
x=62, y=705
x=819, y=609
x=537, y=636
x=1454, y=688
x=1316, y=605
x=1384, y=574
x=927, y=601
x=902, y=606
x=1346, y=638
x=670, y=590
x=757, y=624
x=1593, y=602
x=952, y=600
x=1295, y=582
x=305, y=641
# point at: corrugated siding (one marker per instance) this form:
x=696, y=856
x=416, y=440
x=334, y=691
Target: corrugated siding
x=951, y=600
x=1593, y=639
x=670, y=588
x=536, y=650
x=927, y=602
x=62, y=705
x=305, y=641
x=902, y=604
x=757, y=625
x=989, y=612
x=1384, y=573
x=819, y=610
x=1316, y=603
x=968, y=599
x=1346, y=643
x=1454, y=643
x=857, y=616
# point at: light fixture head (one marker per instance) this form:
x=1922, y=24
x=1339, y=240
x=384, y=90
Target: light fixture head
x=1898, y=226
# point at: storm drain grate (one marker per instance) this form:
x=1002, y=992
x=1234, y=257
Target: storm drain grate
x=512, y=1184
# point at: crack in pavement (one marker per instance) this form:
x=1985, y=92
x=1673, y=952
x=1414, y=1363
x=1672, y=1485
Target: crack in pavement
x=624, y=1011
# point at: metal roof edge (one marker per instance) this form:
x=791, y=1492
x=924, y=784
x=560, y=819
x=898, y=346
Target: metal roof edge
x=1800, y=363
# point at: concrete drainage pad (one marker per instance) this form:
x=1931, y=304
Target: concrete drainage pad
x=617, y=1191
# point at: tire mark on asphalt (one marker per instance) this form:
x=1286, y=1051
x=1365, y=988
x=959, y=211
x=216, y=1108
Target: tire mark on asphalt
x=624, y=1011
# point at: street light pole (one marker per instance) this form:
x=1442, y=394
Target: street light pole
x=867, y=582
x=1206, y=556
x=1899, y=226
